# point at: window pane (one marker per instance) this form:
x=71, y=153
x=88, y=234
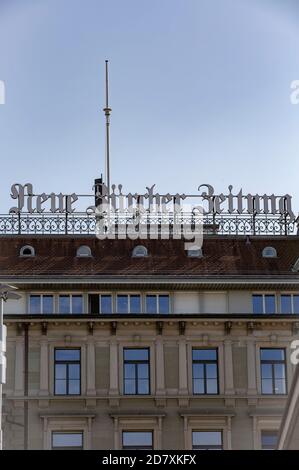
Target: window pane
x=279, y=371
x=207, y=438
x=151, y=304
x=122, y=304
x=143, y=371
x=67, y=354
x=269, y=439
x=106, y=304
x=135, y=305
x=74, y=371
x=272, y=354
x=130, y=370
x=211, y=371
x=198, y=386
x=257, y=304
x=136, y=354
x=130, y=388
x=77, y=304
x=143, y=386
x=212, y=386
x=34, y=304
x=60, y=387
x=198, y=371
x=266, y=371
x=64, y=304
x=286, y=304
x=48, y=304
x=267, y=386
x=74, y=439
x=204, y=354
x=163, y=304
x=138, y=439
x=60, y=371
x=280, y=386
x=296, y=303
x=270, y=303
x=74, y=387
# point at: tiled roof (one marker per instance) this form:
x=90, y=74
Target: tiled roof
x=222, y=256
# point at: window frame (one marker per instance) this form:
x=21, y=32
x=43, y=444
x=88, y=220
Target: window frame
x=70, y=295
x=292, y=295
x=68, y=362
x=205, y=362
x=41, y=295
x=263, y=295
x=212, y=447
x=128, y=295
x=272, y=363
x=157, y=295
x=67, y=432
x=148, y=362
x=150, y=431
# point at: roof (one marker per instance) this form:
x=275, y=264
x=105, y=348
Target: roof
x=222, y=256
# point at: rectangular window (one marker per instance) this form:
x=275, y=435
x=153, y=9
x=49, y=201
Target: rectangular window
x=157, y=303
x=207, y=440
x=67, y=440
x=137, y=440
x=41, y=303
x=100, y=303
x=67, y=371
x=128, y=303
x=205, y=371
x=70, y=303
x=269, y=440
x=136, y=371
x=273, y=371
x=289, y=303
x=264, y=303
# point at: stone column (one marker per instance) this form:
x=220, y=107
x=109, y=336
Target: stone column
x=228, y=367
x=183, y=381
x=251, y=368
x=44, y=367
x=160, y=375
x=114, y=388
x=19, y=366
x=91, y=367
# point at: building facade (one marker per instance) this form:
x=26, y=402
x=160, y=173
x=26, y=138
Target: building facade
x=121, y=344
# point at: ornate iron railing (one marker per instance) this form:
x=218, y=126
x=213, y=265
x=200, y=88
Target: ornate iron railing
x=83, y=223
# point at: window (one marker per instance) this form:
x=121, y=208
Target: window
x=205, y=371
x=264, y=303
x=84, y=251
x=136, y=371
x=27, y=250
x=67, y=371
x=273, y=371
x=67, y=440
x=100, y=303
x=70, y=303
x=157, y=303
x=207, y=440
x=269, y=252
x=137, y=440
x=269, y=440
x=289, y=303
x=128, y=303
x=41, y=303
x=139, y=252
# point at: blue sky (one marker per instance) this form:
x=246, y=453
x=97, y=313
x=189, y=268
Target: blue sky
x=200, y=93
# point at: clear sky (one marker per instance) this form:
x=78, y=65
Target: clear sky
x=200, y=93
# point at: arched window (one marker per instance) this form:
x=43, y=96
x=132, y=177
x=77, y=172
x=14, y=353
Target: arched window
x=27, y=250
x=84, y=251
x=139, y=251
x=269, y=252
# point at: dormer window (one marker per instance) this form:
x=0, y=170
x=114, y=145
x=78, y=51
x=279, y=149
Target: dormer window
x=84, y=252
x=27, y=250
x=269, y=252
x=139, y=251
